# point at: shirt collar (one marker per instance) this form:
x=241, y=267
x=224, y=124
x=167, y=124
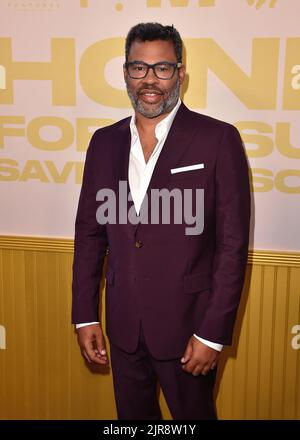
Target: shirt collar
x=161, y=128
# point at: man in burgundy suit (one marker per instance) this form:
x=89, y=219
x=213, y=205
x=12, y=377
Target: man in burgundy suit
x=176, y=261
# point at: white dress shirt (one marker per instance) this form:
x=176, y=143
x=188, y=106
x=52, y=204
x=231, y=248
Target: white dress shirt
x=140, y=172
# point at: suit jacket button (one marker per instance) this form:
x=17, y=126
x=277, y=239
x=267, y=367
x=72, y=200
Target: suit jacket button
x=138, y=244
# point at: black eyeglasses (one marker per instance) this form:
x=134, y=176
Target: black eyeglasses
x=162, y=70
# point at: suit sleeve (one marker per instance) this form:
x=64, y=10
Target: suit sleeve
x=232, y=238
x=89, y=248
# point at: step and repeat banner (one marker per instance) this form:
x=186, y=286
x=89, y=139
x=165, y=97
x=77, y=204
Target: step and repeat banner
x=61, y=78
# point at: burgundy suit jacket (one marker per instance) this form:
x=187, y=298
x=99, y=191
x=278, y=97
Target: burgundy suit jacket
x=175, y=284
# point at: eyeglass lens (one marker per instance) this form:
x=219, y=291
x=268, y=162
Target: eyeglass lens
x=162, y=71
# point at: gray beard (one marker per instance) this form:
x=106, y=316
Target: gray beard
x=165, y=107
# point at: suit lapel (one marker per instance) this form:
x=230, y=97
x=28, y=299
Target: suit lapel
x=121, y=162
x=122, y=152
x=179, y=138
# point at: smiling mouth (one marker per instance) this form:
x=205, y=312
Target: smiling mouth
x=150, y=92
x=150, y=97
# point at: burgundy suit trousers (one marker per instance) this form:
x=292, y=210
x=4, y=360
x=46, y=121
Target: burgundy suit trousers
x=136, y=377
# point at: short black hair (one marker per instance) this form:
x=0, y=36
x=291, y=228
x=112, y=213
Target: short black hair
x=151, y=32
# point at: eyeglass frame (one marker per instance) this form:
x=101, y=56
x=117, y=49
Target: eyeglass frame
x=152, y=66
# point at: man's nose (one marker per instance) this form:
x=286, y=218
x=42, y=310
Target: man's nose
x=150, y=77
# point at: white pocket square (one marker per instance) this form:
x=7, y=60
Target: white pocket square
x=197, y=166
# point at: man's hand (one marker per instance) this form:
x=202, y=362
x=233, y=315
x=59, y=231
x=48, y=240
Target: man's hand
x=91, y=342
x=199, y=358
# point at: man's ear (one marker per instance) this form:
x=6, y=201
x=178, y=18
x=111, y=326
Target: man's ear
x=181, y=74
x=125, y=73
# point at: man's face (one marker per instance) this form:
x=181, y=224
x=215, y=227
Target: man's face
x=152, y=96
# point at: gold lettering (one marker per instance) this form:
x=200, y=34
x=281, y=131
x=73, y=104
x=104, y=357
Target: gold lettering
x=60, y=70
x=8, y=170
x=66, y=128
x=257, y=91
x=263, y=178
x=33, y=170
x=264, y=144
x=280, y=181
x=56, y=176
x=291, y=94
x=9, y=131
x=79, y=172
x=83, y=134
x=91, y=73
x=206, y=3
x=283, y=141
